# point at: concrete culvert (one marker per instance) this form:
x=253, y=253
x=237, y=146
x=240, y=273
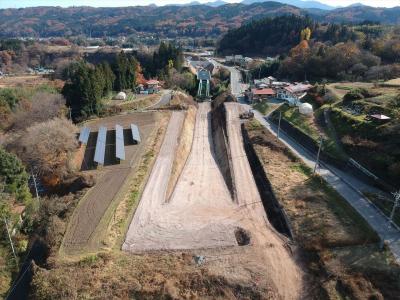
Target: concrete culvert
x=242, y=236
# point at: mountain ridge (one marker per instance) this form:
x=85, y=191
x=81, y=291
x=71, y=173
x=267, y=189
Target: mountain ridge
x=168, y=21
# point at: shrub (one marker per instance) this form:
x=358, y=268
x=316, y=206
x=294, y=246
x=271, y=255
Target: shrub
x=9, y=97
x=354, y=94
x=43, y=106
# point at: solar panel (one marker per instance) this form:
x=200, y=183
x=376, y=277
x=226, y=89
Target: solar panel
x=100, y=145
x=119, y=142
x=135, y=133
x=84, y=135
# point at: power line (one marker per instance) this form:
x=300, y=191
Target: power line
x=11, y=242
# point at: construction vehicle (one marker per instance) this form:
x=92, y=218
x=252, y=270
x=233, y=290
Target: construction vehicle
x=247, y=115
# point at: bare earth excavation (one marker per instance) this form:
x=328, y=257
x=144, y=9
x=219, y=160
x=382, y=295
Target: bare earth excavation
x=201, y=213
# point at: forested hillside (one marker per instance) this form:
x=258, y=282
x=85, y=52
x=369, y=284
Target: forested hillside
x=170, y=21
x=315, y=51
x=268, y=36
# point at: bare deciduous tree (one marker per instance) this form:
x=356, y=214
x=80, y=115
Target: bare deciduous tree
x=43, y=106
x=47, y=147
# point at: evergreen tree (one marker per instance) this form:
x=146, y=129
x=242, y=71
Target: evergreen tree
x=13, y=177
x=109, y=78
x=84, y=89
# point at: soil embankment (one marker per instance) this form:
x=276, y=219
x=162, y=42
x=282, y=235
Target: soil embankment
x=185, y=141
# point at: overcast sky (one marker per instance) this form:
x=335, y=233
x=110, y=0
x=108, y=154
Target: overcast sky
x=103, y=3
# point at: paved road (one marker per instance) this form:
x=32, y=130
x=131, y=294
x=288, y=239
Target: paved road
x=164, y=100
x=237, y=87
x=345, y=184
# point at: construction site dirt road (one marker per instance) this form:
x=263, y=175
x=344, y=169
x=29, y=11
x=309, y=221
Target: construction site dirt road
x=202, y=214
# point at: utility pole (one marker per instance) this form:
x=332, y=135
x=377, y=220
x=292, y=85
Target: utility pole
x=396, y=196
x=319, y=152
x=279, y=124
x=11, y=243
x=36, y=189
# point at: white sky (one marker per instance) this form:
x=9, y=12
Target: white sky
x=25, y=3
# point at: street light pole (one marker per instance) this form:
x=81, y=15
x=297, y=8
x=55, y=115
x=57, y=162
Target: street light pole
x=319, y=152
x=395, y=204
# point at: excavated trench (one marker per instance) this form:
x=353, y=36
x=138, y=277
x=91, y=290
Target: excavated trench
x=273, y=209
x=221, y=147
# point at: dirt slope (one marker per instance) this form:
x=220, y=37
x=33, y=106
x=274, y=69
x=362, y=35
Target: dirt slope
x=197, y=215
x=202, y=216
x=183, y=150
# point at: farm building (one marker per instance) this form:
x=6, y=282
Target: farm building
x=262, y=94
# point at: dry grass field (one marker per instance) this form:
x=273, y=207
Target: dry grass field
x=27, y=81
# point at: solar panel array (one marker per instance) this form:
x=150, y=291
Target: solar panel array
x=135, y=133
x=84, y=135
x=100, y=150
x=119, y=142
x=101, y=145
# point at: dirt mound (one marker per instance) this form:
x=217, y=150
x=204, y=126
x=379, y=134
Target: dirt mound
x=242, y=236
x=221, y=99
x=181, y=100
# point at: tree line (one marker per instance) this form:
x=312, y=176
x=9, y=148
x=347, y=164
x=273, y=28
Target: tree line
x=158, y=63
x=86, y=84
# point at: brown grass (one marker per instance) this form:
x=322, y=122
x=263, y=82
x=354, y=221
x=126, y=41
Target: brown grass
x=127, y=276
x=28, y=81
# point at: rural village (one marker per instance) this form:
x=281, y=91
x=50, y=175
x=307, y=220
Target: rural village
x=182, y=171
